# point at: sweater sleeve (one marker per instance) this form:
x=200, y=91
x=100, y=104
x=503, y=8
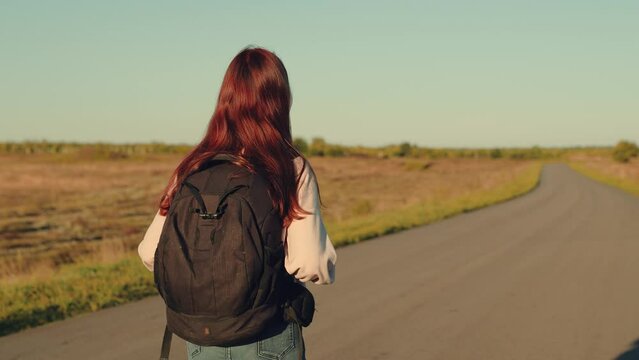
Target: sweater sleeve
x=310, y=255
x=146, y=248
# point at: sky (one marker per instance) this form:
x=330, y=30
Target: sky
x=453, y=73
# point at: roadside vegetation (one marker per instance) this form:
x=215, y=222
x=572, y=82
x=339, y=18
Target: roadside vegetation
x=624, y=151
x=617, y=166
x=73, y=214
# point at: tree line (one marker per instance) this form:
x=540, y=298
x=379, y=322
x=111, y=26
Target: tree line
x=623, y=152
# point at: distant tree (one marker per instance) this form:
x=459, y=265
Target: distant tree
x=496, y=153
x=301, y=145
x=536, y=152
x=334, y=150
x=624, y=151
x=404, y=149
x=318, y=146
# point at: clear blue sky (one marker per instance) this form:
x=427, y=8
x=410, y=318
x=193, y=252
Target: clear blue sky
x=436, y=73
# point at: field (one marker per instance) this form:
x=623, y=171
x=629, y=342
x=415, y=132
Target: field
x=57, y=211
x=601, y=167
x=69, y=226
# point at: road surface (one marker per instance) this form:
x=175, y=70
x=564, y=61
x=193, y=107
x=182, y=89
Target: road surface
x=549, y=275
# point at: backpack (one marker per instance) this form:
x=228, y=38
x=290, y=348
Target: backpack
x=219, y=263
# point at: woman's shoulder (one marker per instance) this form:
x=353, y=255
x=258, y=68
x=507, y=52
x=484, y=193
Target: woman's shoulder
x=303, y=167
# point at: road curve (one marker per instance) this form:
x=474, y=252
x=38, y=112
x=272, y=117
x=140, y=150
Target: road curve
x=549, y=275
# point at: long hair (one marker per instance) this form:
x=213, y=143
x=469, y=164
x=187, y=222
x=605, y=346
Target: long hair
x=251, y=121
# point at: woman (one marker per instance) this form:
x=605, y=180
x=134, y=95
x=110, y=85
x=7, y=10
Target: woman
x=251, y=120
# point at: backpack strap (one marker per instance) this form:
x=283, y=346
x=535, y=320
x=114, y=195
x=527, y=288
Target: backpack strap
x=198, y=197
x=203, y=211
x=166, y=344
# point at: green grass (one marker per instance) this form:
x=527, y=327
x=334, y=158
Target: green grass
x=84, y=288
x=75, y=289
x=621, y=183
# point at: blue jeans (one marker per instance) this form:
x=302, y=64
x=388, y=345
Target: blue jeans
x=278, y=344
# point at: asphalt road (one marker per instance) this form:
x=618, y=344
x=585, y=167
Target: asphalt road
x=549, y=275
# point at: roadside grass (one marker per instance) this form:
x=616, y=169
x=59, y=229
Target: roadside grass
x=609, y=173
x=75, y=289
x=427, y=194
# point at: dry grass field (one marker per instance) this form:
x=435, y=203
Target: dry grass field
x=57, y=212
x=602, y=167
x=69, y=226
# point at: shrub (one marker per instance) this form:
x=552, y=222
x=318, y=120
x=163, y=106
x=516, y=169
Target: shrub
x=535, y=152
x=496, y=153
x=624, y=151
x=301, y=145
x=318, y=147
x=404, y=149
x=334, y=150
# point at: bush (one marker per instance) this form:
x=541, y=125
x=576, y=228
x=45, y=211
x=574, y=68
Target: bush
x=496, y=153
x=404, y=149
x=318, y=146
x=301, y=145
x=335, y=150
x=535, y=152
x=624, y=151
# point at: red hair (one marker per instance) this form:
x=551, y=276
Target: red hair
x=251, y=120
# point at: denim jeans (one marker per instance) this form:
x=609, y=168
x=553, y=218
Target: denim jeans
x=278, y=344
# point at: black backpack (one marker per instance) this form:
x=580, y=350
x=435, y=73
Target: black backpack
x=219, y=263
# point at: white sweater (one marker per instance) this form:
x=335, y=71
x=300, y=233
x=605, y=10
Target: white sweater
x=310, y=255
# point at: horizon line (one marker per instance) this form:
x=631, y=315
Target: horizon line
x=158, y=142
